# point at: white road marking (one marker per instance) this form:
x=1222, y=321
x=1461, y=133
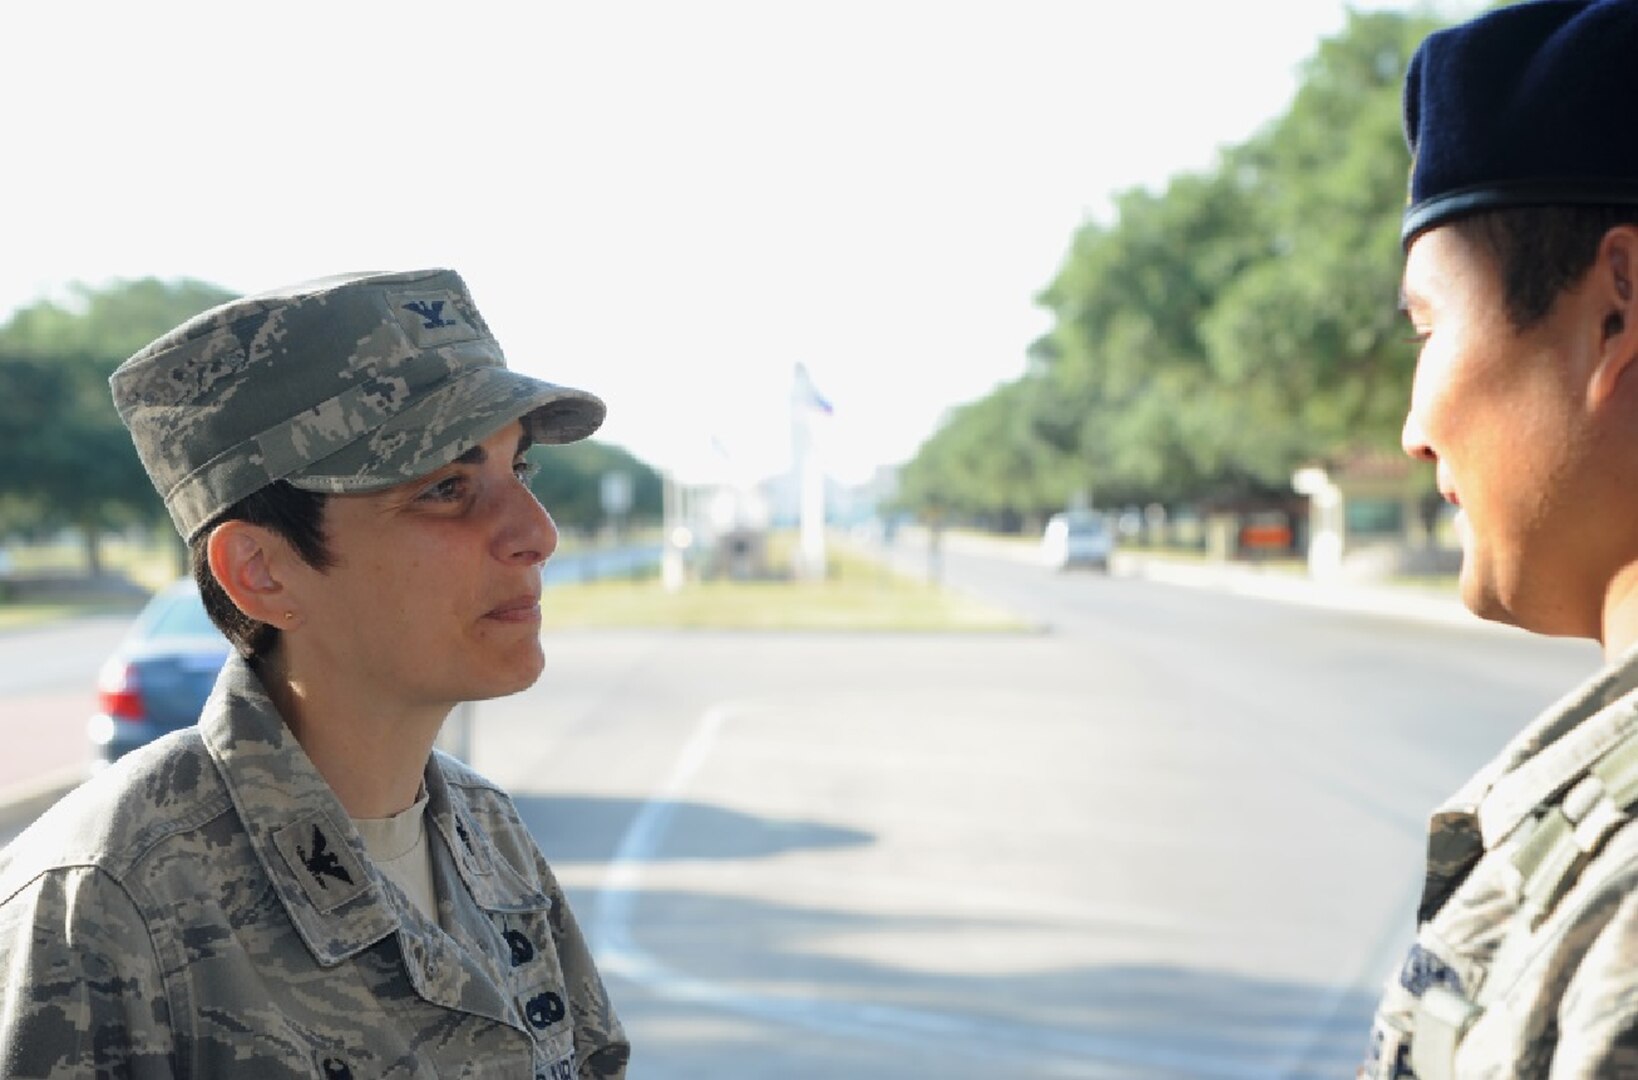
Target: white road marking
x=1050, y=1050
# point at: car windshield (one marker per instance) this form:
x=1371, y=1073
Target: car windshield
x=1084, y=524
x=181, y=615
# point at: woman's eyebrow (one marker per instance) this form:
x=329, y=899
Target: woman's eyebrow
x=477, y=455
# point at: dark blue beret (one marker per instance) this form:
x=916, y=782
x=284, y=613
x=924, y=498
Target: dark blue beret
x=1534, y=104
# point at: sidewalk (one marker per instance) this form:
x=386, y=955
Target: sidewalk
x=1430, y=605
x=1398, y=601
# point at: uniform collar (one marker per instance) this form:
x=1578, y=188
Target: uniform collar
x=305, y=841
x=1554, y=751
x=494, y=883
x=1454, y=841
x=1542, y=760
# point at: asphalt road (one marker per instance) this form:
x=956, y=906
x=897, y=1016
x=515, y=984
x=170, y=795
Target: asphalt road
x=59, y=657
x=1173, y=834
x=47, y=693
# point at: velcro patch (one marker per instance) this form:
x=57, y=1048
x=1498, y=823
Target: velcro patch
x=322, y=861
x=555, y=1058
x=1424, y=968
x=431, y=318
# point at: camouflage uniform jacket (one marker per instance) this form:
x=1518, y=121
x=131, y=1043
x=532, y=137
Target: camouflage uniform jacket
x=1526, y=958
x=205, y=909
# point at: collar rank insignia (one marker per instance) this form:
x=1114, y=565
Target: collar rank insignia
x=323, y=862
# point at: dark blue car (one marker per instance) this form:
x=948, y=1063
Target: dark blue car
x=160, y=675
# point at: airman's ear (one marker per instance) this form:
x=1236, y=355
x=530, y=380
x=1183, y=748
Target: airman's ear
x=247, y=561
x=1614, y=288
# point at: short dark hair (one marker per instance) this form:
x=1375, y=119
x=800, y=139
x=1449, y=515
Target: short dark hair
x=1542, y=250
x=292, y=513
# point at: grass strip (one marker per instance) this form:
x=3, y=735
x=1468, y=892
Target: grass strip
x=858, y=595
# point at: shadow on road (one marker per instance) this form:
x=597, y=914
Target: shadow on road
x=573, y=829
x=724, y=986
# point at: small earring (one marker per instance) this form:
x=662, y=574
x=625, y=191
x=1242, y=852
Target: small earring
x=289, y=615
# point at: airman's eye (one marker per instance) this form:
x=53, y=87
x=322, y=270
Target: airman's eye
x=525, y=470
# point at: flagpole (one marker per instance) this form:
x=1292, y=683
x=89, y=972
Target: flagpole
x=810, y=560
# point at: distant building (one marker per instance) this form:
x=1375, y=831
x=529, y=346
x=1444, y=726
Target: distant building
x=1369, y=517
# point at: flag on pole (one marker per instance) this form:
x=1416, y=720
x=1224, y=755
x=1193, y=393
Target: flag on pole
x=808, y=395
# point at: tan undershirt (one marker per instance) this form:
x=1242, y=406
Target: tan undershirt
x=398, y=847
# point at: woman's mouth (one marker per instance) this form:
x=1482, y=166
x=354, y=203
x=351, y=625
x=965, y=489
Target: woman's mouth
x=522, y=609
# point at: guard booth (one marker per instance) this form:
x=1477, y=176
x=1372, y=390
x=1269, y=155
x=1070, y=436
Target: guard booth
x=735, y=539
x=740, y=555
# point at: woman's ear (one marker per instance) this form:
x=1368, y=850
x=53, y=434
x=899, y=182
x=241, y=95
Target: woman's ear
x=248, y=561
x=1614, y=289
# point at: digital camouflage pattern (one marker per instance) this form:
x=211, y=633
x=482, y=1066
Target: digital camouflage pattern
x=1526, y=960
x=346, y=384
x=205, y=909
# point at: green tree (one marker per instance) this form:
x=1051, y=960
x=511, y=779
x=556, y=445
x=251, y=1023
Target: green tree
x=569, y=482
x=1312, y=332
x=987, y=461
x=65, y=458
x=1128, y=381
x=1223, y=330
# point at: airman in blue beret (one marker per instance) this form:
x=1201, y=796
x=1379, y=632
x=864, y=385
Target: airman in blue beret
x=1521, y=281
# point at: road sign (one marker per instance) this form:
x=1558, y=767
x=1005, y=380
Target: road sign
x=616, y=493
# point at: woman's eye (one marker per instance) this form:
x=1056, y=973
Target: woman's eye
x=525, y=470
x=449, y=489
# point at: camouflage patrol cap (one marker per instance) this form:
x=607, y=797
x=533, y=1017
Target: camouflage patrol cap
x=346, y=384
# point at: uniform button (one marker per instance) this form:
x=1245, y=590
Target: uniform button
x=523, y=950
x=545, y=1009
x=336, y=1069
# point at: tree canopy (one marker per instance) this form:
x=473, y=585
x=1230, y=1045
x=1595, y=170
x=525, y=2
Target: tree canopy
x=65, y=459
x=570, y=483
x=1219, y=332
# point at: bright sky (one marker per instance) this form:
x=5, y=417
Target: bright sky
x=668, y=203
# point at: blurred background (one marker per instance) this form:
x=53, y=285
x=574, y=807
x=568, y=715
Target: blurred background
x=995, y=633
